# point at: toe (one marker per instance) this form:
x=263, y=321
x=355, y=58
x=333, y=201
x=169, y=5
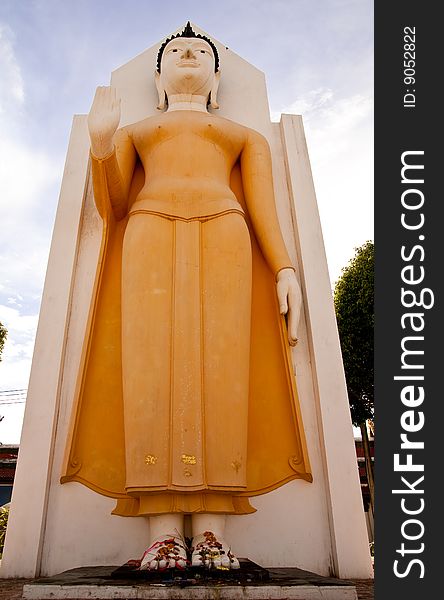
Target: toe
x=225, y=561
x=145, y=562
x=196, y=561
x=153, y=565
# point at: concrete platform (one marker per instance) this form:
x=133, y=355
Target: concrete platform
x=96, y=583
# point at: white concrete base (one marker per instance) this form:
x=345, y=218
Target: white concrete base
x=162, y=591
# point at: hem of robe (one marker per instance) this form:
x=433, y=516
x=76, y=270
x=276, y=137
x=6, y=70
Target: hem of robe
x=248, y=493
x=186, y=502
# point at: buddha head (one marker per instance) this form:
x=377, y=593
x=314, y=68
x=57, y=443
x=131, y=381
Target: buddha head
x=187, y=63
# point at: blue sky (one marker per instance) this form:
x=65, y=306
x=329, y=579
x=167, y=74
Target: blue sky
x=318, y=59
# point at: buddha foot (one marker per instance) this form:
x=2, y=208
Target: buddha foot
x=166, y=552
x=210, y=552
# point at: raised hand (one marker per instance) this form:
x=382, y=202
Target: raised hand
x=290, y=300
x=103, y=120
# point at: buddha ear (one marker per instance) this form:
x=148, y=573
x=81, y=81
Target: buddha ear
x=161, y=91
x=214, y=88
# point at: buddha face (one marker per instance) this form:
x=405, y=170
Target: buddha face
x=187, y=67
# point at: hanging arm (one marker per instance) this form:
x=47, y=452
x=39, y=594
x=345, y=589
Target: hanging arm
x=257, y=180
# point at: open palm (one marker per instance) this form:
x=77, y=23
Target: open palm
x=103, y=120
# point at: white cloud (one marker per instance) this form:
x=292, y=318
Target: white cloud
x=15, y=322
x=339, y=136
x=11, y=425
x=17, y=353
x=12, y=92
x=330, y=124
x=26, y=176
x=24, y=173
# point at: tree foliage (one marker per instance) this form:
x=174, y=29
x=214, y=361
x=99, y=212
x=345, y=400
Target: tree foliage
x=4, y=514
x=354, y=302
x=3, y=334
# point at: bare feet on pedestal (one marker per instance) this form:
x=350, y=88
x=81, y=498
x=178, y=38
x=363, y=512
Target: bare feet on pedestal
x=212, y=552
x=169, y=550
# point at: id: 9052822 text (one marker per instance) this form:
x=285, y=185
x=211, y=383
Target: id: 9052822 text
x=409, y=73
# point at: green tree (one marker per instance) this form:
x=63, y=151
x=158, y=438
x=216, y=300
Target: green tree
x=4, y=514
x=3, y=334
x=354, y=304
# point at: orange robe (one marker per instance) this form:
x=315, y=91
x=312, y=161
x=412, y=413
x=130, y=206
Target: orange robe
x=186, y=400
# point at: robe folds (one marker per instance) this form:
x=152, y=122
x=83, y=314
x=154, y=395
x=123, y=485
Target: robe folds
x=186, y=399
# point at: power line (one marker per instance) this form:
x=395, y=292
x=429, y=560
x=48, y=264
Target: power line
x=13, y=392
x=16, y=396
x=13, y=402
x=13, y=399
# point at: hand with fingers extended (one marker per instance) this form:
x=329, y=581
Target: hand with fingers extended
x=290, y=301
x=103, y=120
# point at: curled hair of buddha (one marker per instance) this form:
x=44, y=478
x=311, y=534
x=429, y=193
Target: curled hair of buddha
x=189, y=32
